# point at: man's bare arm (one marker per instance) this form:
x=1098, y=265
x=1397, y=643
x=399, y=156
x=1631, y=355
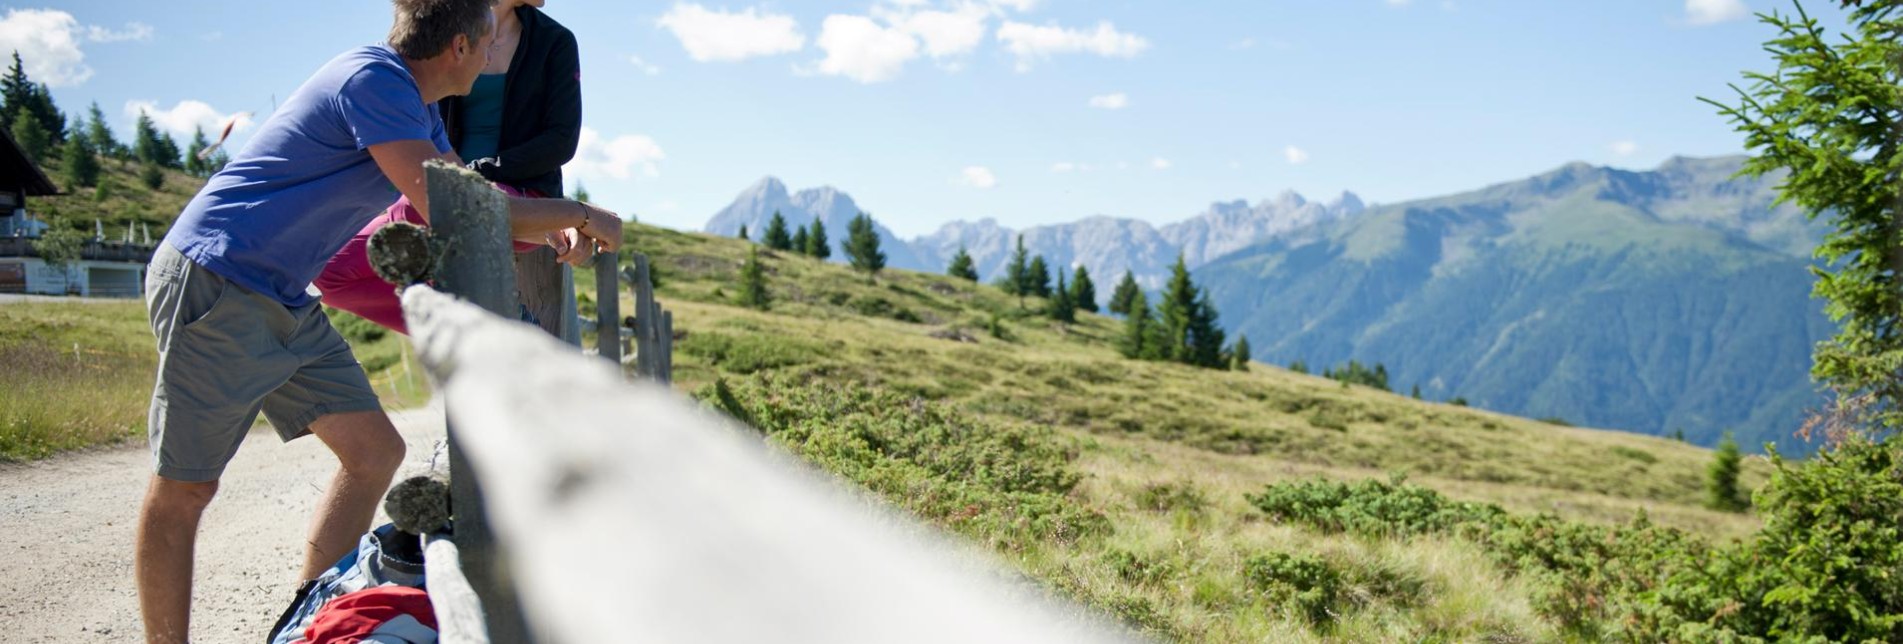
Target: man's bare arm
x=529, y=219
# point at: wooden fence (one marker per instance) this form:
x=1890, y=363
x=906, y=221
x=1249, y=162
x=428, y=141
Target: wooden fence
x=592, y=509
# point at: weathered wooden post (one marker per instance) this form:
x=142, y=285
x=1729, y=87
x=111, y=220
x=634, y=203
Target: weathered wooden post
x=571, y=318
x=644, y=322
x=667, y=347
x=608, y=307
x=538, y=279
x=476, y=264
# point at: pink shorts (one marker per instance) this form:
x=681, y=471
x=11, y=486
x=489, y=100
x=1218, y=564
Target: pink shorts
x=350, y=284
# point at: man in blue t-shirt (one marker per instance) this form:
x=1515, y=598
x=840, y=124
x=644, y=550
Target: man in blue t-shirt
x=227, y=293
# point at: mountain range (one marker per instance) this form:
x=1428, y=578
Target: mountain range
x=1659, y=301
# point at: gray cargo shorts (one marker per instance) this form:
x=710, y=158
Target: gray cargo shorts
x=226, y=353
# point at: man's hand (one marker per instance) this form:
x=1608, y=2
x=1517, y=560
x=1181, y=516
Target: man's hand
x=602, y=226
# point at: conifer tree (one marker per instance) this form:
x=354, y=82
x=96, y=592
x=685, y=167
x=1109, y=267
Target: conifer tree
x=743, y=233
x=1062, y=308
x=169, y=155
x=1127, y=290
x=961, y=266
x=802, y=243
x=33, y=139
x=1827, y=117
x=1040, y=278
x=1083, y=292
x=99, y=135
x=1017, y=274
x=1416, y=393
x=16, y=91
x=581, y=193
x=1240, y=353
x=80, y=165
x=777, y=238
x=862, y=245
x=146, y=146
x=1722, y=481
x=1178, y=312
x=1205, y=337
x=196, y=167
x=817, y=243
x=1137, y=323
x=753, y=293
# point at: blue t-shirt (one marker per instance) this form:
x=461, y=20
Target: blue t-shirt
x=306, y=183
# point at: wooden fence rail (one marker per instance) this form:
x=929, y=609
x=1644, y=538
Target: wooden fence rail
x=592, y=509
x=635, y=515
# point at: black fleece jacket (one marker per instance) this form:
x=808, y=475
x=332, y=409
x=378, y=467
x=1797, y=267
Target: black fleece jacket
x=541, y=108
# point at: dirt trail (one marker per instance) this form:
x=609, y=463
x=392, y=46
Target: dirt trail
x=66, y=528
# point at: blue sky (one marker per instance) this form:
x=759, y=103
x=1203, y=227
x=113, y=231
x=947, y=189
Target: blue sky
x=1029, y=111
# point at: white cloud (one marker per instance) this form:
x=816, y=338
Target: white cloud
x=979, y=177
x=1160, y=163
x=725, y=36
x=1019, y=6
x=1244, y=44
x=48, y=43
x=1624, y=148
x=187, y=116
x=946, y=33
x=646, y=67
x=1115, y=101
x=860, y=49
x=1295, y=155
x=1706, y=12
x=1062, y=167
x=1031, y=43
x=133, y=31
x=1397, y=3
x=619, y=158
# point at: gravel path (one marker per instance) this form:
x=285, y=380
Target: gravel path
x=67, y=523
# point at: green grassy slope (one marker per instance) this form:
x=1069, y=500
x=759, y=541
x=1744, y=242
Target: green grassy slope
x=1165, y=454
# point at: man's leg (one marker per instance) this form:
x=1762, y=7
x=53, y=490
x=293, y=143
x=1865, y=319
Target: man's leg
x=168, y=529
x=368, y=450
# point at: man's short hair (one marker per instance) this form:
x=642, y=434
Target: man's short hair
x=425, y=28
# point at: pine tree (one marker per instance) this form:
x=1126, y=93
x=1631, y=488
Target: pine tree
x=1240, y=353
x=1722, y=484
x=1040, y=278
x=961, y=266
x=862, y=245
x=1827, y=116
x=195, y=166
x=16, y=91
x=1062, y=308
x=777, y=238
x=817, y=243
x=581, y=193
x=168, y=152
x=81, y=166
x=1416, y=394
x=802, y=243
x=743, y=233
x=1137, y=321
x=1205, y=337
x=1017, y=274
x=753, y=293
x=1127, y=291
x=1179, y=312
x=33, y=139
x=1083, y=292
x=146, y=146
x=99, y=135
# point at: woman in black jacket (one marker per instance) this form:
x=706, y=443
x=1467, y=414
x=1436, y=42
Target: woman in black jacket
x=517, y=126
x=523, y=119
